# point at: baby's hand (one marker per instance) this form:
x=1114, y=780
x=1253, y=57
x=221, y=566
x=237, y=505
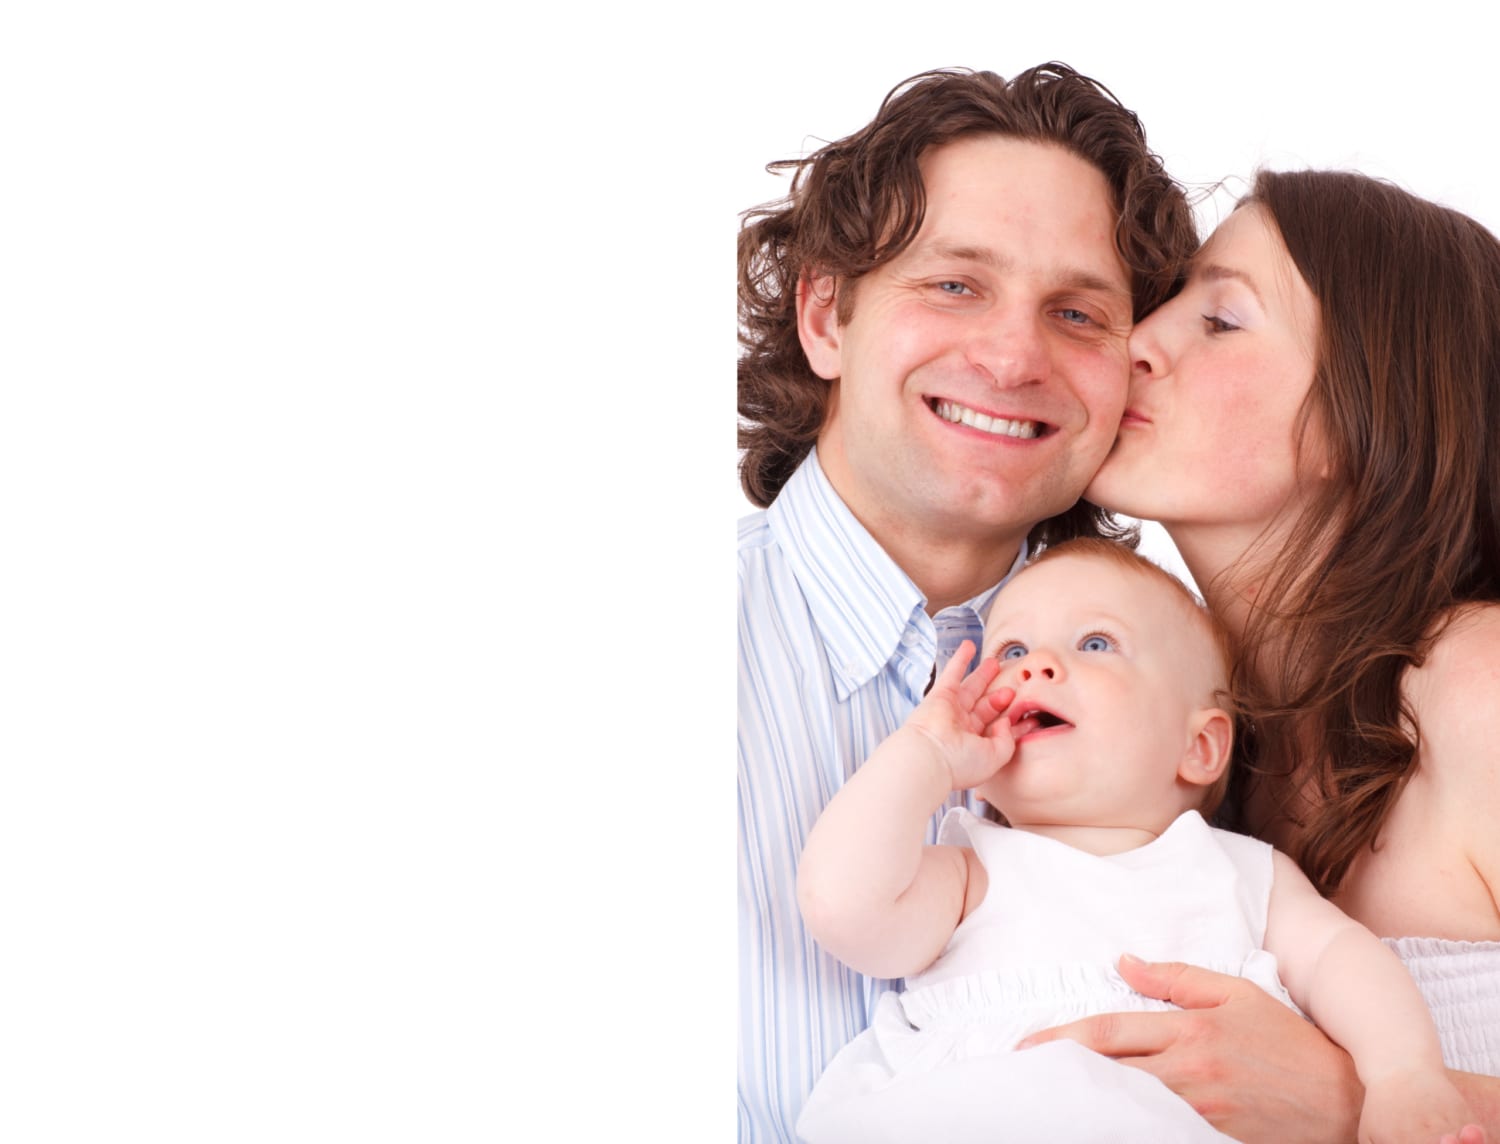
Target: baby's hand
x=965, y=720
x=1417, y=1107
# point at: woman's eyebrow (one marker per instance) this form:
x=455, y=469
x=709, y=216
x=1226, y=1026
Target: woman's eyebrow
x=1216, y=272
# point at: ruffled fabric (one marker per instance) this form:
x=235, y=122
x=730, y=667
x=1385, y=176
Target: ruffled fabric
x=1460, y=981
x=990, y=1012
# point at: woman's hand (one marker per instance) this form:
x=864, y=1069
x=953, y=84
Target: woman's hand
x=1252, y=1067
x=964, y=720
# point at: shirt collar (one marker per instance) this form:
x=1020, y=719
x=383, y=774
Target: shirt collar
x=860, y=600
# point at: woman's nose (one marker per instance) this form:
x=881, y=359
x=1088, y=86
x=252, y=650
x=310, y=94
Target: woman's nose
x=1148, y=354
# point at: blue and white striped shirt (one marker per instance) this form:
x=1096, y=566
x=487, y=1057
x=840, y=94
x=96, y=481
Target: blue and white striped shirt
x=835, y=649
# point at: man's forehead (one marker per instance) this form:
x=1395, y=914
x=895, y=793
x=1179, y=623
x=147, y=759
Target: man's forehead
x=992, y=197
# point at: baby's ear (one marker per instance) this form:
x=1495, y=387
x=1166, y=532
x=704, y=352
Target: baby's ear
x=1208, y=750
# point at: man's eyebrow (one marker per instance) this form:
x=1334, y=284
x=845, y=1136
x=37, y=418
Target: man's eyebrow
x=1216, y=272
x=959, y=253
x=1074, y=278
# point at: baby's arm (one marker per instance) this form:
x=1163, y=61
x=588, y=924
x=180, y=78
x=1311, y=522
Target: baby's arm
x=871, y=893
x=1360, y=994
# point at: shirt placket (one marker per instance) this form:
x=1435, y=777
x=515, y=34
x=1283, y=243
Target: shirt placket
x=952, y=627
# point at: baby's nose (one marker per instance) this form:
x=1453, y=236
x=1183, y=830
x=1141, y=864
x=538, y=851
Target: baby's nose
x=1039, y=663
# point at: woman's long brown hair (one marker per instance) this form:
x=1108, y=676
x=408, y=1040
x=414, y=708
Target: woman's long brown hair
x=1406, y=528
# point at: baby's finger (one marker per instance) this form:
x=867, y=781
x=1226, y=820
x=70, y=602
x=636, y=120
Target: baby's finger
x=977, y=682
x=990, y=709
x=952, y=674
x=999, y=698
x=1023, y=727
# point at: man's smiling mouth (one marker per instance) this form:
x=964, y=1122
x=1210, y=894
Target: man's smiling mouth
x=998, y=426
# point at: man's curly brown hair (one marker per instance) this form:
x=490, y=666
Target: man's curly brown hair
x=857, y=203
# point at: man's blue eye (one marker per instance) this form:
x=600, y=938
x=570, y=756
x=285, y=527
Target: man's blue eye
x=1096, y=643
x=1012, y=651
x=1077, y=317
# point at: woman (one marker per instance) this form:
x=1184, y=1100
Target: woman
x=1312, y=419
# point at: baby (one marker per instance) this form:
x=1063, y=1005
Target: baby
x=1093, y=724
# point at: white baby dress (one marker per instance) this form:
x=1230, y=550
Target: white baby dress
x=937, y=1062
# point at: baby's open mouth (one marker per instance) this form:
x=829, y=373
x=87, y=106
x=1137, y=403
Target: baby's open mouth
x=1045, y=720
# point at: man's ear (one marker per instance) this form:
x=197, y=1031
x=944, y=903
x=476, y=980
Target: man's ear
x=1208, y=750
x=818, y=325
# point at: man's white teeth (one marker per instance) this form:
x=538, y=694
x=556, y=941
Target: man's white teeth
x=1000, y=426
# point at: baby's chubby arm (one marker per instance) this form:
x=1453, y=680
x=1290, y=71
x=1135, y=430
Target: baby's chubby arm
x=1360, y=994
x=871, y=892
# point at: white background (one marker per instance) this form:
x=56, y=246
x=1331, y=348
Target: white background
x=366, y=487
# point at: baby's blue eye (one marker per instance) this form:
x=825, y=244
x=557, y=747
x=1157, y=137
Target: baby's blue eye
x=1096, y=643
x=1012, y=651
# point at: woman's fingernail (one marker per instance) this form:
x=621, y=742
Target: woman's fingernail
x=1132, y=958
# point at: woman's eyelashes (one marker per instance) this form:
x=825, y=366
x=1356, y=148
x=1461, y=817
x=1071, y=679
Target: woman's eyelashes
x=1219, y=325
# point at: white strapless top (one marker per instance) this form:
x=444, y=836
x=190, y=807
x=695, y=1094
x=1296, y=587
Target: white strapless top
x=1461, y=983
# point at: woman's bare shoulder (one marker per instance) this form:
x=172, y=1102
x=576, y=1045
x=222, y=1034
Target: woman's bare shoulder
x=1455, y=696
x=1464, y=660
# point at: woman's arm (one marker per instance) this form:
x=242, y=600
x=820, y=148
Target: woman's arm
x=871, y=893
x=1452, y=696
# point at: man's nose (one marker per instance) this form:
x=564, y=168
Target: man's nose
x=1010, y=346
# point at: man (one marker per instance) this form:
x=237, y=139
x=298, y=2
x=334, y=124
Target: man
x=934, y=363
